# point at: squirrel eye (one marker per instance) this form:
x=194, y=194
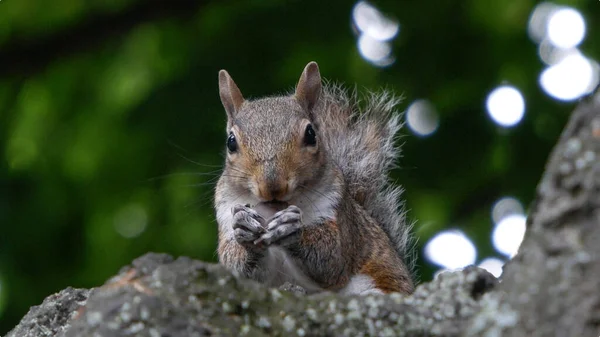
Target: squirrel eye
x=232, y=145
x=310, y=137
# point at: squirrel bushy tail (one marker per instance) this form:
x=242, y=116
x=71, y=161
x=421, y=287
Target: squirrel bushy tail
x=360, y=134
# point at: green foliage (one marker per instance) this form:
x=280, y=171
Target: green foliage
x=112, y=133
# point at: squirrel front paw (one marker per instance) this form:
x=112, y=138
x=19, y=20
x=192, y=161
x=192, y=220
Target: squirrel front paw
x=281, y=226
x=247, y=226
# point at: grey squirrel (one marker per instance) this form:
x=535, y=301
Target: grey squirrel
x=305, y=196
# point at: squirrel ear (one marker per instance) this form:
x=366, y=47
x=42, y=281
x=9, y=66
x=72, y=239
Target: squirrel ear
x=308, y=89
x=231, y=96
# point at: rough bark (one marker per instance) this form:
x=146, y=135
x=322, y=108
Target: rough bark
x=160, y=296
x=551, y=288
x=53, y=315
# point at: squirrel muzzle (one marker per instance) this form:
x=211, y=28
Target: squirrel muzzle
x=271, y=183
x=273, y=189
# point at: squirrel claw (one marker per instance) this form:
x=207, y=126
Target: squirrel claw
x=247, y=224
x=282, y=225
x=246, y=217
x=278, y=234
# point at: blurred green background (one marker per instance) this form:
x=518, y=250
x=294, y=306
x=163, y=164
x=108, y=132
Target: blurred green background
x=112, y=132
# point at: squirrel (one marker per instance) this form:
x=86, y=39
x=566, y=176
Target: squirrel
x=304, y=196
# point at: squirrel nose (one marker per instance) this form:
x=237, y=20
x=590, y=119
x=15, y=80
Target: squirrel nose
x=271, y=190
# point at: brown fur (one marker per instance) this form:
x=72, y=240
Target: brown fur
x=334, y=251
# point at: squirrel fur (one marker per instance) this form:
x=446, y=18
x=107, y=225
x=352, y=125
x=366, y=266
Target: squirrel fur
x=305, y=196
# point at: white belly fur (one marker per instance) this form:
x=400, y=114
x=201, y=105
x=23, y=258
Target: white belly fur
x=360, y=284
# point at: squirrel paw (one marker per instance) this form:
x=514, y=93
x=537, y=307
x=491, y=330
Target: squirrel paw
x=247, y=225
x=282, y=225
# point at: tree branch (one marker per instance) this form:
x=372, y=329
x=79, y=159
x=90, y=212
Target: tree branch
x=159, y=296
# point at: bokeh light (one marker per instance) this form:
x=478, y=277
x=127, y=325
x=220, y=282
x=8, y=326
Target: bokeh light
x=451, y=249
x=566, y=28
x=492, y=265
x=551, y=54
x=504, y=207
x=131, y=221
x=571, y=78
x=538, y=21
x=375, y=31
x=559, y=30
x=422, y=118
x=372, y=22
x=372, y=49
x=506, y=106
x=508, y=234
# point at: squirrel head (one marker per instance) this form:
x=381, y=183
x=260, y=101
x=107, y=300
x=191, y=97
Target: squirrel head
x=273, y=143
